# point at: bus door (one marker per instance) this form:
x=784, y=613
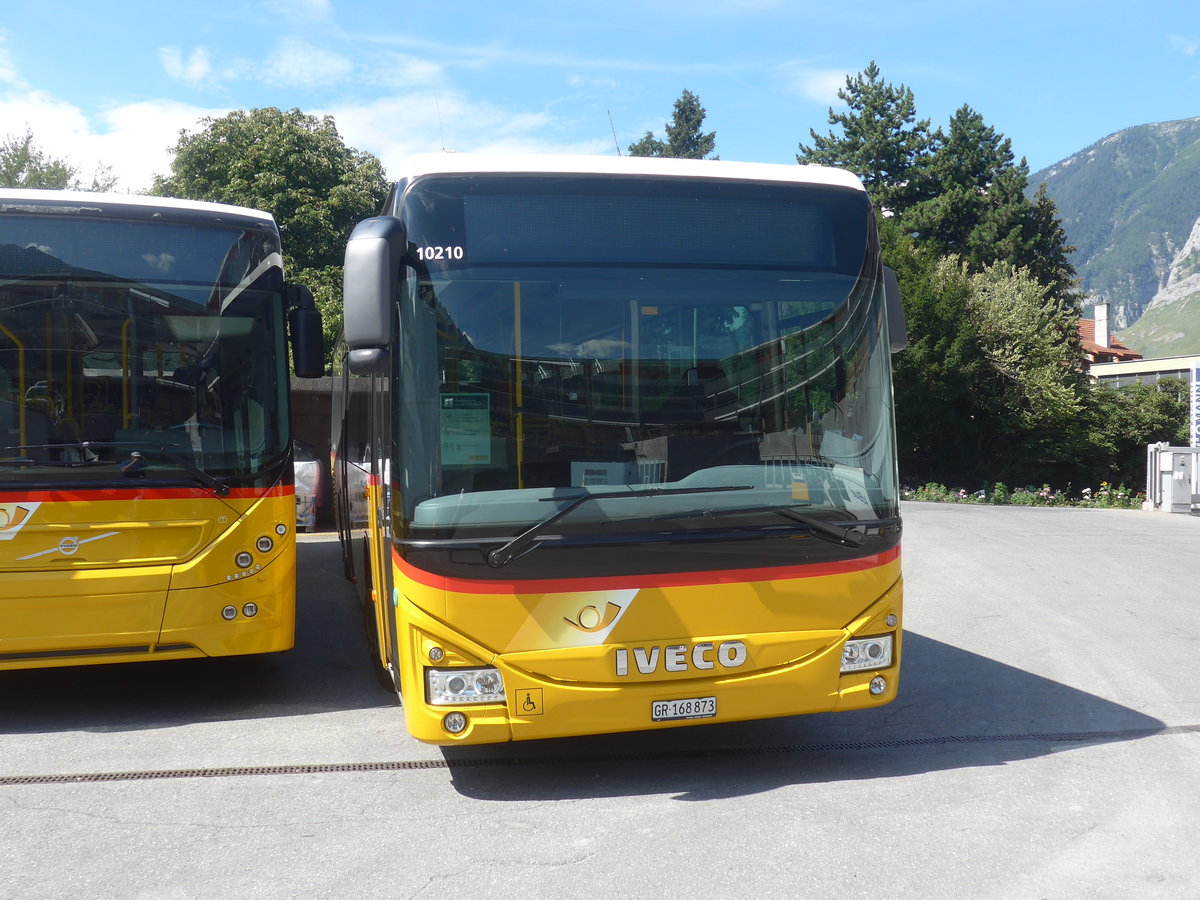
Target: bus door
x=379, y=529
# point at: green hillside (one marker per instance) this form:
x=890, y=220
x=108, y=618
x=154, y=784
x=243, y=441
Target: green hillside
x=1128, y=204
x=1170, y=330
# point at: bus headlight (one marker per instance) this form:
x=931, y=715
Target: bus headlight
x=451, y=686
x=867, y=653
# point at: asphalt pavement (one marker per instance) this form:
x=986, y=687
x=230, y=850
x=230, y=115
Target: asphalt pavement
x=1046, y=743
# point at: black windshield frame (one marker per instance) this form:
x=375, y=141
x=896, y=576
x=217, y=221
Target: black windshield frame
x=131, y=342
x=803, y=334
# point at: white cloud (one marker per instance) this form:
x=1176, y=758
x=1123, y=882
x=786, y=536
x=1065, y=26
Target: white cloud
x=458, y=54
x=1185, y=45
x=305, y=9
x=394, y=128
x=55, y=123
x=419, y=112
x=816, y=85
x=399, y=71
x=133, y=140
x=195, y=69
x=297, y=63
x=137, y=138
x=600, y=82
x=8, y=70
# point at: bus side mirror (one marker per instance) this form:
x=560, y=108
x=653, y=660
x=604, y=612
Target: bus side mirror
x=304, y=332
x=897, y=329
x=373, y=255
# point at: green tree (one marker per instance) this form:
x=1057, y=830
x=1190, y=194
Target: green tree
x=290, y=164
x=976, y=208
x=991, y=385
x=1117, y=423
x=25, y=165
x=296, y=167
x=969, y=178
x=685, y=136
x=1024, y=337
x=941, y=425
x=1046, y=251
x=881, y=140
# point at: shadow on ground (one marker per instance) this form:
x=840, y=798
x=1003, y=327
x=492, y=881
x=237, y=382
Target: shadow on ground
x=956, y=709
x=327, y=671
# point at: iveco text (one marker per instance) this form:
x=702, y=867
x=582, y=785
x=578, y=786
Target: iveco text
x=729, y=655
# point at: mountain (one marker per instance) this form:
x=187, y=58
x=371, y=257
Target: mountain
x=1130, y=204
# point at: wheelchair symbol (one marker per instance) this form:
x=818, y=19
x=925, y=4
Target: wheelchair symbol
x=528, y=701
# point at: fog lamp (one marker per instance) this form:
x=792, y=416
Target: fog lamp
x=264, y=544
x=250, y=610
x=455, y=723
x=878, y=685
x=229, y=613
x=243, y=560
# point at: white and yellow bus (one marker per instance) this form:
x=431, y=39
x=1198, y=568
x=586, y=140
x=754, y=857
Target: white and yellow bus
x=146, y=500
x=615, y=446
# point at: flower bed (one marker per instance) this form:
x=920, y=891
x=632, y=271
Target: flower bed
x=1107, y=496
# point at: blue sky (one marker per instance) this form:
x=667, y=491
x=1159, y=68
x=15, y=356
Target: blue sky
x=113, y=83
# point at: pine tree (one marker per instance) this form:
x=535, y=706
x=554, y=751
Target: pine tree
x=976, y=208
x=991, y=385
x=970, y=183
x=881, y=141
x=685, y=138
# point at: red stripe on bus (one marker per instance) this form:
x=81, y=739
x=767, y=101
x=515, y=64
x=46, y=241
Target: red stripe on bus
x=661, y=580
x=84, y=495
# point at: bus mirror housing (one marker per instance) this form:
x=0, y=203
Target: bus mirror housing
x=368, y=361
x=373, y=255
x=304, y=332
x=897, y=329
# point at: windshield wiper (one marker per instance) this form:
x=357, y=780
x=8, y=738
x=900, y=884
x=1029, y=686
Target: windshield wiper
x=215, y=484
x=506, y=553
x=838, y=534
x=847, y=537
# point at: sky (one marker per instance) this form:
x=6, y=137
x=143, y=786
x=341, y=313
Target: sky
x=113, y=83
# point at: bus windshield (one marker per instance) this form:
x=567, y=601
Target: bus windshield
x=138, y=349
x=566, y=335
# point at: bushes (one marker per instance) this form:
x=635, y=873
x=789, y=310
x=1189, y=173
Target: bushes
x=1106, y=496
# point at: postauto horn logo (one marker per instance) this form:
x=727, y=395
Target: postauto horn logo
x=14, y=516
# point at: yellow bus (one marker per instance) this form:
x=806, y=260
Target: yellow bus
x=146, y=501
x=614, y=447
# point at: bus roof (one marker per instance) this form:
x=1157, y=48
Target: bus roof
x=97, y=202
x=531, y=164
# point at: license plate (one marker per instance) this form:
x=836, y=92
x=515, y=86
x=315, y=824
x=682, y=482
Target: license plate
x=691, y=708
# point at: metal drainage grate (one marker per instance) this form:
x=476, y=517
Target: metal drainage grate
x=1070, y=737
